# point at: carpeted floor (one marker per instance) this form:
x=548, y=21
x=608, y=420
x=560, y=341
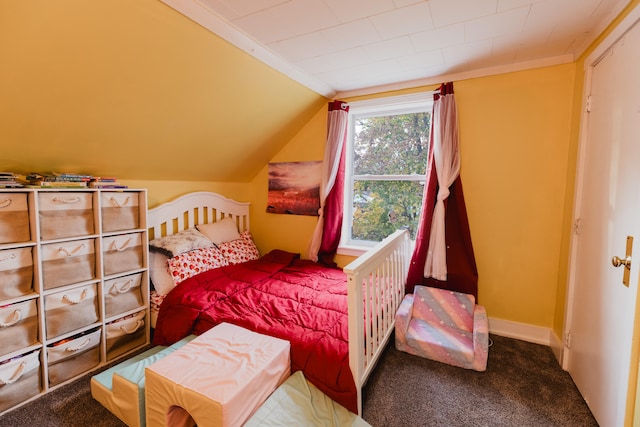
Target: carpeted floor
x=523, y=386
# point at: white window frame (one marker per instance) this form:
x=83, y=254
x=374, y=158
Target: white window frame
x=402, y=104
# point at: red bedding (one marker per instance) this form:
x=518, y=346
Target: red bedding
x=278, y=295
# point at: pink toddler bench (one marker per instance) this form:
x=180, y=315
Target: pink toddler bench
x=218, y=379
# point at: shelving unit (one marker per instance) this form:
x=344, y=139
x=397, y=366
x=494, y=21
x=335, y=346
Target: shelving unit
x=74, y=285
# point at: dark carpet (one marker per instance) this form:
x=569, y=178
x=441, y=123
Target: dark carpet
x=523, y=386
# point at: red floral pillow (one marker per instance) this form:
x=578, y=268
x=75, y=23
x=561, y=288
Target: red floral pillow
x=240, y=250
x=193, y=262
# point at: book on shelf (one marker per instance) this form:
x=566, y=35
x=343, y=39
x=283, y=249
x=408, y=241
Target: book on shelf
x=9, y=180
x=104, y=179
x=57, y=184
x=59, y=176
x=107, y=184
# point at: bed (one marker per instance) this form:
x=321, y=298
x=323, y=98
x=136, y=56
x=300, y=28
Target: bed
x=337, y=320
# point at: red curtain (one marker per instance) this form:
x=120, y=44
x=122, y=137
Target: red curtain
x=462, y=273
x=333, y=213
x=333, y=177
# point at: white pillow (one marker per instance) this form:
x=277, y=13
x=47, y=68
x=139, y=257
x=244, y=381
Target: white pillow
x=159, y=273
x=221, y=231
x=179, y=243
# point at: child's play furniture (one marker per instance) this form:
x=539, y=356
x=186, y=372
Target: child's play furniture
x=445, y=326
x=218, y=379
x=297, y=403
x=120, y=388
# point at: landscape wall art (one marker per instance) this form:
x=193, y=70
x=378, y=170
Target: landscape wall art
x=294, y=188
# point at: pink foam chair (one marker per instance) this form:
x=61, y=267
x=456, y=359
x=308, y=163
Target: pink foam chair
x=445, y=326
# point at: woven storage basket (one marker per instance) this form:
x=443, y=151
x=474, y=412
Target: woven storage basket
x=122, y=253
x=123, y=294
x=18, y=326
x=69, y=358
x=70, y=310
x=119, y=211
x=19, y=379
x=14, y=218
x=16, y=273
x=125, y=334
x=66, y=263
x=65, y=215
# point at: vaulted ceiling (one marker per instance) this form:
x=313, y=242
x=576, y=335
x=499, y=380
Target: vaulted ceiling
x=338, y=46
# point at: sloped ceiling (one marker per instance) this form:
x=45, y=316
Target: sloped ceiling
x=136, y=90
x=350, y=47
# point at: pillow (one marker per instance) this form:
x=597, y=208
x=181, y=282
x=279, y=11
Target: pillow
x=197, y=261
x=221, y=231
x=240, y=250
x=176, y=244
x=159, y=273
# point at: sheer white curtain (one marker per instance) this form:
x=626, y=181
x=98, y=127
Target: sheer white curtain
x=337, y=123
x=446, y=153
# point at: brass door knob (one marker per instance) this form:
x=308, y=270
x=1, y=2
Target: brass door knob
x=617, y=262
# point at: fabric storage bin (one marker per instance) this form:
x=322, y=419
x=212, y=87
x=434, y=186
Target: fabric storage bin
x=68, y=358
x=122, y=253
x=125, y=334
x=19, y=379
x=65, y=263
x=70, y=310
x=18, y=326
x=123, y=294
x=119, y=211
x=16, y=272
x=65, y=214
x=14, y=218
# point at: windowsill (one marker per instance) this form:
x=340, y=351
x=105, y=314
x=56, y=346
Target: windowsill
x=352, y=250
x=357, y=250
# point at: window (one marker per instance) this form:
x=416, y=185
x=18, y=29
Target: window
x=387, y=148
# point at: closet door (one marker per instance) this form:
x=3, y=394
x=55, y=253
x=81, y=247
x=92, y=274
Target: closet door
x=603, y=312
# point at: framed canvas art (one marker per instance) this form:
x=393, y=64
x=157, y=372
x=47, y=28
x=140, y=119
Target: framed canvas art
x=294, y=188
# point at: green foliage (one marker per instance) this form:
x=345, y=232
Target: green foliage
x=389, y=145
x=392, y=145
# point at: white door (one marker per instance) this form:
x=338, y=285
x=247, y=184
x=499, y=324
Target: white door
x=601, y=318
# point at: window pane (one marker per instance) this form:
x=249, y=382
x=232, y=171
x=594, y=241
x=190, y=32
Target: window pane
x=382, y=207
x=391, y=145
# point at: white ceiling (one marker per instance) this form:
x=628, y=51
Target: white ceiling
x=348, y=47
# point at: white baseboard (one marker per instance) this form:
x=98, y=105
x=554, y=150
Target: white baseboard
x=521, y=331
x=529, y=333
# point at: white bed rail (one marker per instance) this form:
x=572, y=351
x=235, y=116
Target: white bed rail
x=376, y=286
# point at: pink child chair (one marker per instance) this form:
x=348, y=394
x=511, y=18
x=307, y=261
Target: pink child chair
x=445, y=326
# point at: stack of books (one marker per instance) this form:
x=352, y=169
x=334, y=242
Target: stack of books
x=58, y=180
x=105, y=182
x=9, y=180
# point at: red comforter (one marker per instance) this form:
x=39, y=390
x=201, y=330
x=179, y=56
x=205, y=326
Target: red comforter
x=278, y=295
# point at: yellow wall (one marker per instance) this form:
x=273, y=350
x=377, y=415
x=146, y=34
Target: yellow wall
x=288, y=232
x=137, y=90
x=515, y=138
x=514, y=131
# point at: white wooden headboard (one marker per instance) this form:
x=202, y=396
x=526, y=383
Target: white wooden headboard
x=200, y=207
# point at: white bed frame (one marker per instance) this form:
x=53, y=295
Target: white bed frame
x=378, y=276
